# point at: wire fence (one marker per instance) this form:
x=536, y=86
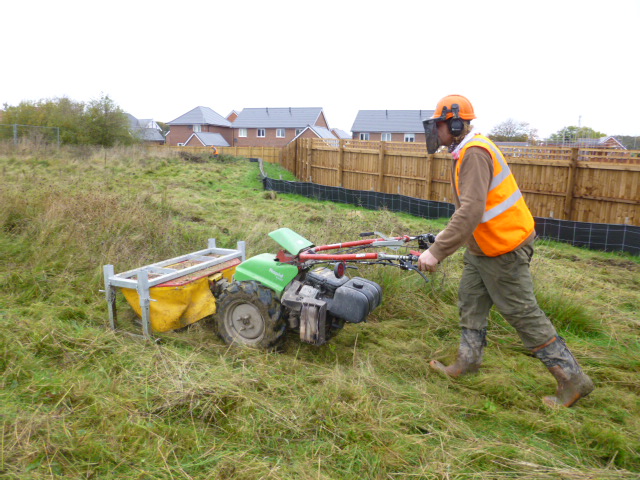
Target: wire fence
x=32, y=134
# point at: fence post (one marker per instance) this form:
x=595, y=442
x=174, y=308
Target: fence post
x=571, y=183
x=381, y=166
x=340, y=160
x=296, y=155
x=427, y=187
x=309, y=159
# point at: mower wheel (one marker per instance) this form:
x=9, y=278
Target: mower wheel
x=249, y=314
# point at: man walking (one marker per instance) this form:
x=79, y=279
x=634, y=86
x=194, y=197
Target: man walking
x=494, y=222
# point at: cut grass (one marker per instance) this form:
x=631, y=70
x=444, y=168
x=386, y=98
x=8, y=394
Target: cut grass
x=80, y=401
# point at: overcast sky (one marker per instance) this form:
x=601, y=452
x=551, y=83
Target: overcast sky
x=548, y=63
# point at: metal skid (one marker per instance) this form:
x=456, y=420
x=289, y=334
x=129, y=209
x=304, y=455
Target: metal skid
x=144, y=278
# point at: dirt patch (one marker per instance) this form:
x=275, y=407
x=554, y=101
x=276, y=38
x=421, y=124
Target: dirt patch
x=611, y=262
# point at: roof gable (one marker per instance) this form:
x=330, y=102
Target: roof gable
x=201, y=116
x=209, y=139
x=320, y=132
x=277, y=117
x=394, y=121
x=607, y=142
x=340, y=133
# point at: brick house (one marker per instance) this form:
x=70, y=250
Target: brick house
x=274, y=127
x=200, y=119
x=390, y=125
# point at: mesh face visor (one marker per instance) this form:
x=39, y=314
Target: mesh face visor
x=431, y=134
x=431, y=127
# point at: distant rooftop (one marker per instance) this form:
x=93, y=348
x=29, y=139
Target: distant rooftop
x=201, y=116
x=290, y=117
x=393, y=121
x=209, y=139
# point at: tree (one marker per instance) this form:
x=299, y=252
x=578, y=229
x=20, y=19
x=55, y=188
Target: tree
x=100, y=122
x=513, y=131
x=570, y=135
x=62, y=113
x=106, y=124
x=164, y=128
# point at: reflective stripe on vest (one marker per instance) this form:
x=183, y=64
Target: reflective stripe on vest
x=506, y=221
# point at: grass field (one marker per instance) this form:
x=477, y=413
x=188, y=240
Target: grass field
x=78, y=401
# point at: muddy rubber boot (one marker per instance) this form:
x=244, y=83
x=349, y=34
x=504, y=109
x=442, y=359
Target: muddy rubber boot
x=472, y=343
x=573, y=383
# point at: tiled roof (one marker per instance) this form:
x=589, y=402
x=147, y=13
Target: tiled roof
x=152, y=135
x=209, y=139
x=201, y=116
x=394, y=121
x=277, y=117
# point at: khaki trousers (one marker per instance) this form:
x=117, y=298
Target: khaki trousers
x=504, y=281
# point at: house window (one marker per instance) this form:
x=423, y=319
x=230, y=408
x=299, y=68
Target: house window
x=409, y=137
x=242, y=132
x=280, y=133
x=386, y=137
x=197, y=128
x=364, y=136
x=299, y=131
x=261, y=133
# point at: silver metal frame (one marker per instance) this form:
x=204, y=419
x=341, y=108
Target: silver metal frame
x=142, y=283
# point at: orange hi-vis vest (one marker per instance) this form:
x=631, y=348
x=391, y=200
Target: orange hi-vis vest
x=507, y=221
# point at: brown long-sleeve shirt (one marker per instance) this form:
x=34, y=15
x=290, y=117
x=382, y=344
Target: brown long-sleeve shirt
x=476, y=173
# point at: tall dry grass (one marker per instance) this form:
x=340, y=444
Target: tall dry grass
x=80, y=401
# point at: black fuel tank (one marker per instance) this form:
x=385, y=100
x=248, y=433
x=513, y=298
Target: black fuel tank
x=355, y=300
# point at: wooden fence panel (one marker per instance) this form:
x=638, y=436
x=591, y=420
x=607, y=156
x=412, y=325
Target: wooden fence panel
x=288, y=157
x=604, y=155
x=324, y=169
x=543, y=183
x=268, y=154
x=441, y=165
x=607, y=193
x=559, y=182
x=360, y=170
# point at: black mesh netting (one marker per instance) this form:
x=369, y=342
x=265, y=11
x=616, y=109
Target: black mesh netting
x=596, y=236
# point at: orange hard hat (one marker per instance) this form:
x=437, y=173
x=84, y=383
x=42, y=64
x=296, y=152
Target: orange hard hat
x=445, y=108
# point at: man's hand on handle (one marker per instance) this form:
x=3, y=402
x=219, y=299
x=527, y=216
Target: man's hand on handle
x=427, y=262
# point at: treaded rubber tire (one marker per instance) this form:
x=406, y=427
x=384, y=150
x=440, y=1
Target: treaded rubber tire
x=249, y=314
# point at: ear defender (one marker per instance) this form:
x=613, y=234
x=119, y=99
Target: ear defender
x=456, y=124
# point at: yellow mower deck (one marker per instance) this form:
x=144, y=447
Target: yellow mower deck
x=173, y=293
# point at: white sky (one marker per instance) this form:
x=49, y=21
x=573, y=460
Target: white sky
x=549, y=63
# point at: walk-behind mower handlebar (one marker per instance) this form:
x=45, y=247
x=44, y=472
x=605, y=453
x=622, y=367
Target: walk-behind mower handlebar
x=424, y=240
x=352, y=252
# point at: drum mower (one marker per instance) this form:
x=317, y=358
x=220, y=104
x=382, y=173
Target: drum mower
x=254, y=302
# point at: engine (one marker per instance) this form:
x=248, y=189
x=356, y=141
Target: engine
x=319, y=303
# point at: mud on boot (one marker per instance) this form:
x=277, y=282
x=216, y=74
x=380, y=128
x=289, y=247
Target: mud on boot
x=472, y=343
x=573, y=383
